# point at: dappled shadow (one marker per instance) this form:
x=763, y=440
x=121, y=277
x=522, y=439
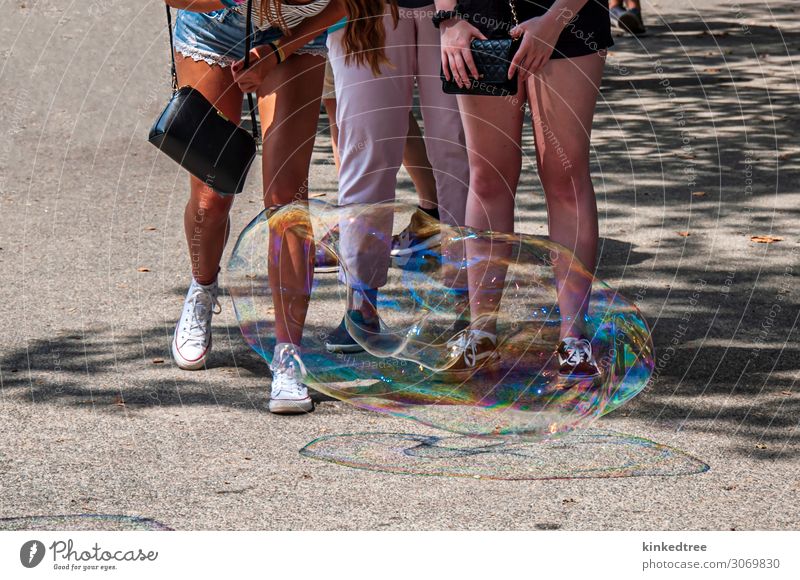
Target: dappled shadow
x=105, y=370
x=694, y=151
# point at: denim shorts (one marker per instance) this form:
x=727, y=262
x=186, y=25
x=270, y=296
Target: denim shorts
x=218, y=37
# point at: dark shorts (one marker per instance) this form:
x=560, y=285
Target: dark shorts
x=588, y=31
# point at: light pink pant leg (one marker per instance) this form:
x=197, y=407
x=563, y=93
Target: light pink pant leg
x=444, y=133
x=372, y=115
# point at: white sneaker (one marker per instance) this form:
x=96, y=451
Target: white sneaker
x=471, y=350
x=575, y=358
x=191, y=342
x=289, y=396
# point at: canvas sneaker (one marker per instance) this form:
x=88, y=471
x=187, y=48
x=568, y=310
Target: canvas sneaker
x=289, y=395
x=191, y=342
x=470, y=351
x=575, y=358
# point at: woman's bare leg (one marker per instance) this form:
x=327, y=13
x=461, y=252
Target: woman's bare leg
x=289, y=106
x=415, y=160
x=493, y=131
x=205, y=219
x=563, y=97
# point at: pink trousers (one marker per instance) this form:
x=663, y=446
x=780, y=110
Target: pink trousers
x=372, y=115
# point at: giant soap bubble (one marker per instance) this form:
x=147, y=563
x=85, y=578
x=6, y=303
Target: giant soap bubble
x=516, y=286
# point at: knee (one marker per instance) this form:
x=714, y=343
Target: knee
x=286, y=187
x=488, y=182
x=210, y=208
x=564, y=181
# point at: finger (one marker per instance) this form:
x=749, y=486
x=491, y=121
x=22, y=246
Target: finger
x=525, y=69
x=466, y=54
x=515, y=62
x=462, y=70
x=453, y=69
x=446, y=66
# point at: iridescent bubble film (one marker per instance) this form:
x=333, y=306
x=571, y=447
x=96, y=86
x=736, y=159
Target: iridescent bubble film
x=513, y=286
x=584, y=454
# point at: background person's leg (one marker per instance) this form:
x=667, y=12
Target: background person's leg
x=628, y=15
x=563, y=97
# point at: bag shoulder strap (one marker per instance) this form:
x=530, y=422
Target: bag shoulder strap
x=248, y=35
x=173, y=70
x=513, y=5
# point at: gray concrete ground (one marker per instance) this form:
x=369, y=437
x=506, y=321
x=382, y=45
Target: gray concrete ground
x=696, y=132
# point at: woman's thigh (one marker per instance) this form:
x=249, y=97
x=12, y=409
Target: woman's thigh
x=562, y=97
x=493, y=133
x=289, y=109
x=214, y=82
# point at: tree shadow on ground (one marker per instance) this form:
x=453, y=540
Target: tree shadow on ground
x=694, y=145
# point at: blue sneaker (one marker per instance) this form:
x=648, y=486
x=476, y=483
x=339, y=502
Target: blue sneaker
x=340, y=340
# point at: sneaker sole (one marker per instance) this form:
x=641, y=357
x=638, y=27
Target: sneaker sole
x=284, y=407
x=423, y=245
x=629, y=23
x=188, y=365
x=466, y=373
x=344, y=348
x=574, y=377
x=326, y=269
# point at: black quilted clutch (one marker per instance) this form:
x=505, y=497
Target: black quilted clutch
x=492, y=59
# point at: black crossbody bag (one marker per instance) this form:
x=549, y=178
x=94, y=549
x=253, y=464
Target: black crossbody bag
x=194, y=133
x=492, y=59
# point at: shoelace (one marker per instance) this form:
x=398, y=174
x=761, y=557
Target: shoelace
x=466, y=345
x=284, y=368
x=201, y=310
x=577, y=351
